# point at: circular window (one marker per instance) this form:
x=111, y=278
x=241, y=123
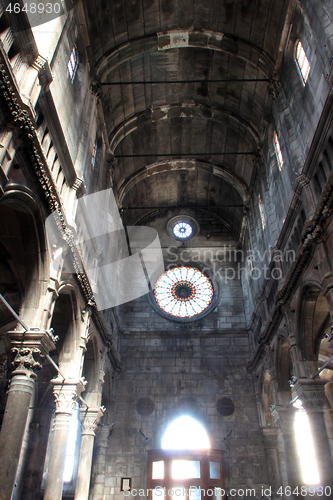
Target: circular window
x=182, y=230
x=183, y=292
x=182, y=227
x=225, y=407
x=145, y=407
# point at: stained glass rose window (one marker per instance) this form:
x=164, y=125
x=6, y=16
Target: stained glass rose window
x=183, y=292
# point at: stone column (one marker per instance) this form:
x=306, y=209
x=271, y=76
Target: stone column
x=270, y=440
x=66, y=395
x=98, y=476
x=312, y=394
x=285, y=417
x=28, y=347
x=90, y=419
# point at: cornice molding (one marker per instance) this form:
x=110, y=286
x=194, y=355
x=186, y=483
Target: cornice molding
x=20, y=116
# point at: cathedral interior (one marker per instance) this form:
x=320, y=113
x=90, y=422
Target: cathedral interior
x=166, y=249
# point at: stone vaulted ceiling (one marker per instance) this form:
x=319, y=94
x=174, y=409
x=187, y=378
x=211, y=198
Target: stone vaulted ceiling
x=192, y=142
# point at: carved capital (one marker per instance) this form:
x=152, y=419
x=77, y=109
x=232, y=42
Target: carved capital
x=90, y=419
x=258, y=160
x=29, y=349
x=274, y=85
x=44, y=71
x=96, y=90
x=67, y=393
x=311, y=392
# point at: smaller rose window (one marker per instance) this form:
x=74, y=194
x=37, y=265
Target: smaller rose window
x=182, y=230
x=183, y=292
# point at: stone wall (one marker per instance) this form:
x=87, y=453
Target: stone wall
x=182, y=374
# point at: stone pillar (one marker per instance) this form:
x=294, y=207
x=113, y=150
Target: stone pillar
x=312, y=394
x=28, y=347
x=270, y=440
x=90, y=419
x=66, y=394
x=285, y=417
x=98, y=479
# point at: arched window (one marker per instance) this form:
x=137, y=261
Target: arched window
x=73, y=63
x=278, y=151
x=186, y=468
x=302, y=61
x=185, y=433
x=261, y=211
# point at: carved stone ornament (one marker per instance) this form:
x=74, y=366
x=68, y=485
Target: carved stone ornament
x=67, y=393
x=284, y=417
x=90, y=419
x=312, y=393
x=26, y=361
x=29, y=349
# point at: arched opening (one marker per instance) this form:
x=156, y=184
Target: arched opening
x=314, y=323
x=185, y=433
x=186, y=467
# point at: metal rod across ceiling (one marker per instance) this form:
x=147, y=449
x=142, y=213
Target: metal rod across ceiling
x=223, y=80
x=187, y=154
x=183, y=206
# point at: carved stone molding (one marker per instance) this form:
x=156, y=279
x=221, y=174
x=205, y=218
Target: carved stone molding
x=66, y=393
x=284, y=417
x=29, y=349
x=44, y=71
x=311, y=393
x=90, y=419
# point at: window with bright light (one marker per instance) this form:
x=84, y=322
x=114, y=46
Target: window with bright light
x=186, y=466
x=262, y=215
x=183, y=292
x=93, y=155
x=71, y=448
x=185, y=433
x=302, y=61
x=305, y=447
x=278, y=151
x=73, y=63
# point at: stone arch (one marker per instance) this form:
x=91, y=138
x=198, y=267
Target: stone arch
x=313, y=320
x=107, y=399
x=22, y=257
x=65, y=324
x=91, y=372
x=283, y=363
x=210, y=40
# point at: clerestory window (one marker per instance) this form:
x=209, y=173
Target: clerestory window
x=262, y=215
x=278, y=151
x=302, y=61
x=73, y=63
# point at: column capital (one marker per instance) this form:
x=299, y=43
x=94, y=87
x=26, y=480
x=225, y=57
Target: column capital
x=90, y=419
x=29, y=348
x=311, y=392
x=66, y=393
